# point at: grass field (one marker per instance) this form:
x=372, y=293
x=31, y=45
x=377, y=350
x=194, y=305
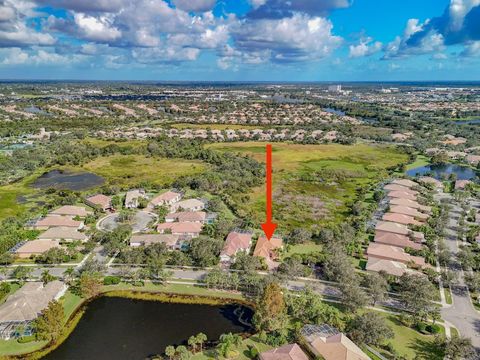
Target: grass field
x=419, y=161
x=315, y=184
x=131, y=170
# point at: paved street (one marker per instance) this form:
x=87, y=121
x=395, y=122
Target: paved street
x=462, y=313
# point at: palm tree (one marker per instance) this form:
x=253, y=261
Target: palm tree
x=192, y=341
x=68, y=274
x=201, y=338
x=47, y=277
x=182, y=352
x=170, y=351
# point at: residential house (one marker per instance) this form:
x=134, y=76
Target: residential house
x=170, y=240
x=461, y=184
x=285, y=352
x=327, y=342
x=189, y=205
x=397, y=187
x=132, y=198
x=24, y=306
x=473, y=159
x=182, y=229
x=394, y=253
x=400, y=218
x=63, y=233
x=34, y=247
x=56, y=221
x=437, y=184
x=236, y=241
x=187, y=216
x=267, y=249
x=410, y=203
x=402, y=241
x=405, y=182
x=390, y=267
x=167, y=198
x=402, y=195
x=396, y=228
x=400, y=209
x=100, y=201
x=71, y=210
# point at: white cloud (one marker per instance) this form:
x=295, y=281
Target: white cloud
x=96, y=28
x=298, y=38
x=18, y=56
x=365, y=48
x=194, y=5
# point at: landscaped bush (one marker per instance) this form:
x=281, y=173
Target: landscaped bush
x=26, y=339
x=111, y=280
x=433, y=329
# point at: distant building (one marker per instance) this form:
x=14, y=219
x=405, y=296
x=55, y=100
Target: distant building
x=167, y=198
x=189, y=205
x=55, y=221
x=34, y=247
x=183, y=229
x=335, y=88
x=63, y=233
x=71, y=210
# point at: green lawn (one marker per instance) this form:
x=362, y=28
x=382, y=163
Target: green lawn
x=448, y=296
x=307, y=248
x=409, y=342
x=12, y=347
x=419, y=161
x=242, y=351
x=314, y=184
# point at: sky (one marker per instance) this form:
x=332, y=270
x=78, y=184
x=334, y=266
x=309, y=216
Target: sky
x=240, y=40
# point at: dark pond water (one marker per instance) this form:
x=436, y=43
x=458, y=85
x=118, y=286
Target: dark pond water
x=468, y=122
x=462, y=172
x=117, y=328
x=334, y=111
x=66, y=180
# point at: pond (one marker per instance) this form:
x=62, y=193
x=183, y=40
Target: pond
x=334, y=111
x=119, y=328
x=468, y=122
x=437, y=171
x=66, y=180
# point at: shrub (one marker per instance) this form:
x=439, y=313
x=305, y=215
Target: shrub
x=111, y=280
x=26, y=339
x=433, y=328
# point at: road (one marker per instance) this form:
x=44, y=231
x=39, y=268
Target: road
x=462, y=314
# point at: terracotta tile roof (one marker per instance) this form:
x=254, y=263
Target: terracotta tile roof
x=285, y=352
x=165, y=197
x=63, y=233
x=431, y=180
x=392, y=227
x=71, y=210
x=236, y=242
x=402, y=241
x=55, y=221
x=400, y=218
x=101, y=200
x=405, y=182
x=187, y=216
x=402, y=195
x=393, y=253
x=37, y=247
x=396, y=187
x=149, y=239
x=181, y=227
x=460, y=184
x=400, y=209
x=409, y=203
x=391, y=267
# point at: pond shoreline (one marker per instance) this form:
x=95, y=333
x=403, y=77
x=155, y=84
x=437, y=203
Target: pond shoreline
x=143, y=295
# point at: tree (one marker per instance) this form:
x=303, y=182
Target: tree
x=192, y=342
x=182, y=352
x=473, y=281
x=416, y=293
x=369, y=328
x=155, y=270
x=161, y=211
x=170, y=351
x=205, y=251
x=89, y=284
x=270, y=313
x=458, y=348
x=244, y=262
x=353, y=297
x=22, y=273
x=68, y=274
x=377, y=287
x=227, y=344
x=49, y=324
x=47, y=277
x=299, y=236
x=201, y=338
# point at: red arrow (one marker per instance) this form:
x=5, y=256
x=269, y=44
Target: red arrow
x=269, y=227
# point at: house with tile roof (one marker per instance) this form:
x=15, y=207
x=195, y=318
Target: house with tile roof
x=285, y=352
x=236, y=241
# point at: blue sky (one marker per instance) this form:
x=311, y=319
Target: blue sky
x=241, y=40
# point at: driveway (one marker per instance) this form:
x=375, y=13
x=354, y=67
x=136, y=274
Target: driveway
x=139, y=223
x=462, y=314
